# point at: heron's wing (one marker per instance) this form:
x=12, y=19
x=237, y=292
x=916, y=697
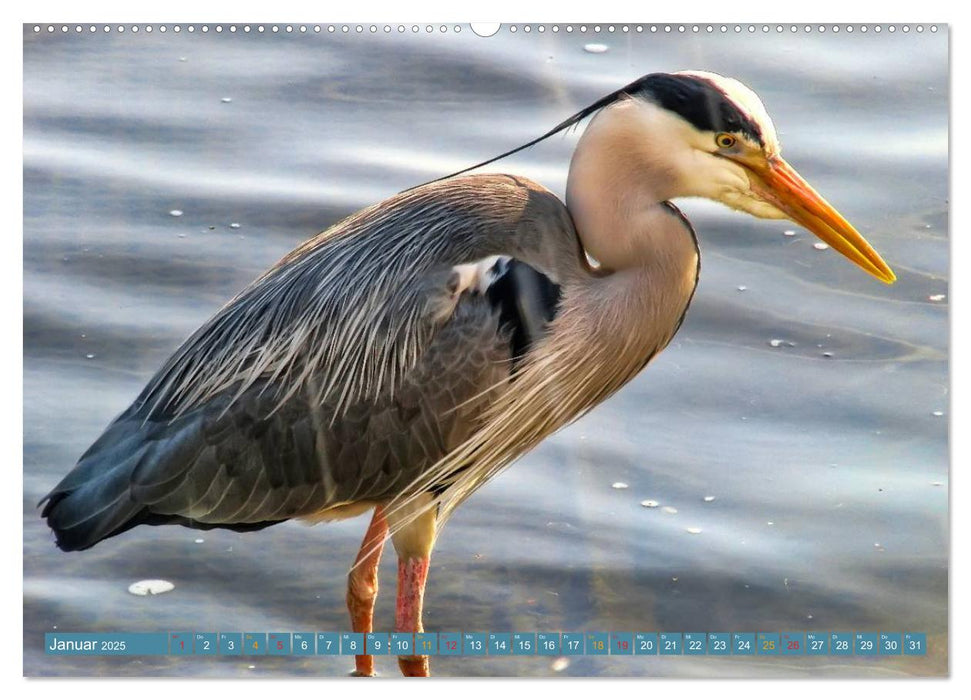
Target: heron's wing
x=262, y=452
x=245, y=462
x=351, y=312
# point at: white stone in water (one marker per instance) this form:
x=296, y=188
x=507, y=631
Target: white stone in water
x=827, y=355
x=770, y=523
x=938, y=413
x=150, y=587
x=90, y=356
x=741, y=287
x=819, y=245
x=595, y=48
x=175, y=212
x=226, y=100
x=693, y=530
x=937, y=297
x=199, y=540
x=789, y=233
x=560, y=664
x=618, y=485
x=234, y=225
x=776, y=342
x=708, y=499
x=650, y=504
x=670, y=509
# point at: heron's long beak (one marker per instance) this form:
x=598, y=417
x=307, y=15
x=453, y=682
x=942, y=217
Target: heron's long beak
x=781, y=185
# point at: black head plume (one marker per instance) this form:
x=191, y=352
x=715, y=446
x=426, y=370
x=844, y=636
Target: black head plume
x=694, y=98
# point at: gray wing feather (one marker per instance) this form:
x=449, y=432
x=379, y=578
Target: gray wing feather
x=352, y=310
x=334, y=378
x=247, y=460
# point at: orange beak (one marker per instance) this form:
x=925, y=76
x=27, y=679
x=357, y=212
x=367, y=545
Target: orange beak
x=779, y=184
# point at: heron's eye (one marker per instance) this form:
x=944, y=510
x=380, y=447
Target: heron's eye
x=724, y=140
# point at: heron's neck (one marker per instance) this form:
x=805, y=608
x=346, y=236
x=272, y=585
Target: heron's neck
x=622, y=173
x=620, y=180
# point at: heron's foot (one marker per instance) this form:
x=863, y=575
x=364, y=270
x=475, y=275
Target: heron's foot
x=364, y=666
x=414, y=666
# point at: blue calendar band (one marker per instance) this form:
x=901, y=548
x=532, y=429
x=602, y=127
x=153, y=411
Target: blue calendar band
x=875, y=644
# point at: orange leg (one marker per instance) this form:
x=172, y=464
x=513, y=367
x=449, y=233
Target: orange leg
x=362, y=585
x=412, y=573
x=413, y=538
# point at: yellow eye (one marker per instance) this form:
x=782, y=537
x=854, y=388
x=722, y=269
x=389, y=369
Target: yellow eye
x=725, y=140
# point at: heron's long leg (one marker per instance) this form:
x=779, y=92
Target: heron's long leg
x=362, y=585
x=413, y=544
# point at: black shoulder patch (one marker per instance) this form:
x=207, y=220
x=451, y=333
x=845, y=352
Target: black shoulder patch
x=527, y=301
x=697, y=100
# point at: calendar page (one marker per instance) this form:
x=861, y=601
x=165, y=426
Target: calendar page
x=512, y=350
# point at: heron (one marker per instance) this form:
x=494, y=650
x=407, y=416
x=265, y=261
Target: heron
x=398, y=361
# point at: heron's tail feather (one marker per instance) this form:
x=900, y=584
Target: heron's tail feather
x=93, y=501
x=209, y=468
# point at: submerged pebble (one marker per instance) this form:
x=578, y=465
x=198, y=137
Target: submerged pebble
x=820, y=245
x=234, y=225
x=226, y=100
x=789, y=233
x=708, y=499
x=777, y=342
x=618, y=485
x=937, y=297
x=650, y=504
x=175, y=212
x=693, y=530
x=937, y=413
x=150, y=587
x=741, y=288
x=670, y=509
x=595, y=48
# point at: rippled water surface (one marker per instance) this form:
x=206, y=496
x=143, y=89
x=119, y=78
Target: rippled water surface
x=829, y=472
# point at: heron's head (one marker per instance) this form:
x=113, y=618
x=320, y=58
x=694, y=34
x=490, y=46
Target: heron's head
x=713, y=138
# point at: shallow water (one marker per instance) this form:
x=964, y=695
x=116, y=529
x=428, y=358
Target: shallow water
x=829, y=473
